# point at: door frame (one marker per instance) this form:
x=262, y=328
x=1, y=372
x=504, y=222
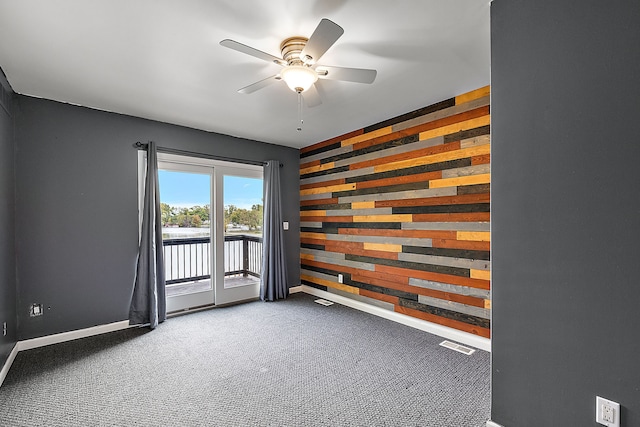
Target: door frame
x=219, y=295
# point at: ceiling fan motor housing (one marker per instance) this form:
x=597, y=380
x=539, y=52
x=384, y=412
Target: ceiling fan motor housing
x=291, y=49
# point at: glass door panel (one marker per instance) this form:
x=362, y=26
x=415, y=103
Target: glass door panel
x=185, y=202
x=241, y=247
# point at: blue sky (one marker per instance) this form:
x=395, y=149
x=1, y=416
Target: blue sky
x=181, y=189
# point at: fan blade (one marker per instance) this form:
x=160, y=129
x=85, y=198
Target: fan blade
x=324, y=36
x=232, y=44
x=312, y=97
x=358, y=75
x=259, y=85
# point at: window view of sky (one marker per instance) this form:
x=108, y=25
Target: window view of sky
x=181, y=189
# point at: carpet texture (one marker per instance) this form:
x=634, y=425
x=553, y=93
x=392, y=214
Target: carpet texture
x=286, y=363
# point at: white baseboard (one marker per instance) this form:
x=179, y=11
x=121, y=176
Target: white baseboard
x=71, y=335
x=492, y=424
x=433, y=328
x=295, y=290
x=8, y=363
x=58, y=338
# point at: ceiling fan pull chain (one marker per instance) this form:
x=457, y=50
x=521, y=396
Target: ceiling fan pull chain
x=300, y=112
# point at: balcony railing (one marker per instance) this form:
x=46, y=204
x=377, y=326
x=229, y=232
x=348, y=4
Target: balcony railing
x=187, y=259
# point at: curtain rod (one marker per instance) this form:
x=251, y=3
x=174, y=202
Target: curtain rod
x=141, y=146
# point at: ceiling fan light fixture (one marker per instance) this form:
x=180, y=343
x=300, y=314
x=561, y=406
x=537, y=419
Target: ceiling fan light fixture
x=298, y=77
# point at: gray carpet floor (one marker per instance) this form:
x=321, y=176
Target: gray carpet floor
x=286, y=363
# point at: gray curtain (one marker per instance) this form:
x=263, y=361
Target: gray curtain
x=148, y=302
x=273, y=279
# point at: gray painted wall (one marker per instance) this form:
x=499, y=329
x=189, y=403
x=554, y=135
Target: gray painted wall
x=7, y=234
x=76, y=208
x=565, y=210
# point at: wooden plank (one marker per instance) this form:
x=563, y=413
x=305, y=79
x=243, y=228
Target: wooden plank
x=313, y=213
x=421, y=112
x=329, y=219
x=435, y=158
x=318, y=236
x=406, y=156
x=307, y=256
x=305, y=240
x=428, y=234
x=467, y=171
x=389, y=148
x=339, y=265
x=353, y=212
x=309, y=164
x=456, y=306
x=386, y=284
x=453, y=217
x=453, y=297
x=456, y=127
x=376, y=275
x=461, y=180
x=330, y=284
x=337, y=175
x=456, y=324
x=385, y=247
x=446, y=261
x=429, y=126
x=450, y=111
x=438, y=277
x=383, y=218
x=461, y=244
x=381, y=297
x=481, y=160
x=328, y=189
x=473, y=189
x=448, y=287
x=323, y=184
x=331, y=201
x=452, y=226
x=357, y=248
x=475, y=141
x=480, y=274
x=318, y=168
x=474, y=94
x=363, y=205
x=403, y=179
x=331, y=141
x=457, y=208
x=452, y=120
x=409, y=194
x=482, y=236
x=365, y=136
x=436, y=201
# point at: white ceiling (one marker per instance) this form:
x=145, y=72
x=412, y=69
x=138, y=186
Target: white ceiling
x=161, y=59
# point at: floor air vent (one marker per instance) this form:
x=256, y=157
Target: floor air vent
x=324, y=302
x=457, y=347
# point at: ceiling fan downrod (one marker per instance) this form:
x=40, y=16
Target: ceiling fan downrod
x=300, y=120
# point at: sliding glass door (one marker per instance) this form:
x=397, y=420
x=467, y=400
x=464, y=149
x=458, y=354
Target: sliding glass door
x=212, y=231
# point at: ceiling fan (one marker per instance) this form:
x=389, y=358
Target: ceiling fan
x=299, y=60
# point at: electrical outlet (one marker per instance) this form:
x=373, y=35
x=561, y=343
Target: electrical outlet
x=607, y=412
x=4, y=329
x=35, y=310
x=340, y=278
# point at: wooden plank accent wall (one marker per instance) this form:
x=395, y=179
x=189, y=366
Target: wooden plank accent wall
x=402, y=210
